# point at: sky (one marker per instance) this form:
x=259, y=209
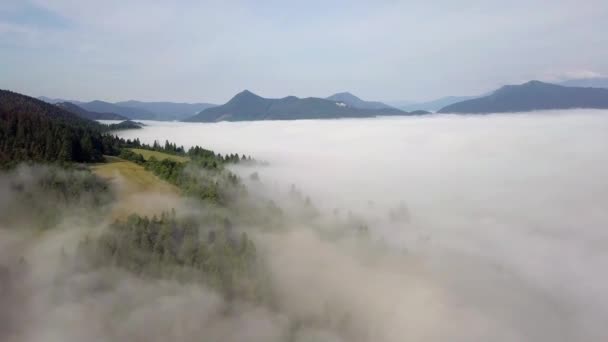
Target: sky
x=207, y=51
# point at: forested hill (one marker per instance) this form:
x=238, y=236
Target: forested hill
x=248, y=106
x=83, y=113
x=533, y=95
x=34, y=130
x=167, y=110
x=128, y=112
x=137, y=110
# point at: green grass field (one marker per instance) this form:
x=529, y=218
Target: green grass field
x=138, y=190
x=159, y=155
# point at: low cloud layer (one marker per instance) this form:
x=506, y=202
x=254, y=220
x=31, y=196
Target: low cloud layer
x=481, y=228
x=506, y=212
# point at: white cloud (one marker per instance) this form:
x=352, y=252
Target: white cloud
x=494, y=207
x=577, y=74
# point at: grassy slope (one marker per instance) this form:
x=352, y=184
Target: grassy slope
x=139, y=191
x=159, y=155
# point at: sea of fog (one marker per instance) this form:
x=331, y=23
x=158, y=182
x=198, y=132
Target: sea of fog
x=507, y=213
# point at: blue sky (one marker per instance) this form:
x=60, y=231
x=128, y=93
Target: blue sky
x=210, y=50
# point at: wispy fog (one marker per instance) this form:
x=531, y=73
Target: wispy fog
x=481, y=228
x=499, y=221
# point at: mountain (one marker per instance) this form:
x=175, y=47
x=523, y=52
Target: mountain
x=128, y=112
x=434, y=105
x=355, y=102
x=533, y=95
x=595, y=82
x=33, y=130
x=400, y=103
x=247, y=106
x=139, y=110
x=55, y=100
x=83, y=113
x=168, y=110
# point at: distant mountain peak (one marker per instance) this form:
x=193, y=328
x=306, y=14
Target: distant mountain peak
x=345, y=96
x=537, y=83
x=531, y=85
x=345, y=93
x=99, y=102
x=246, y=92
x=351, y=100
x=245, y=95
x=532, y=95
x=246, y=106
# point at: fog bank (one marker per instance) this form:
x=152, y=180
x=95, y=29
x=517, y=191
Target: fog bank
x=505, y=213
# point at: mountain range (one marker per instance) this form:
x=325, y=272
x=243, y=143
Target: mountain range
x=167, y=110
x=83, y=113
x=533, y=95
x=433, y=105
x=246, y=106
x=595, y=82
x=138, y=110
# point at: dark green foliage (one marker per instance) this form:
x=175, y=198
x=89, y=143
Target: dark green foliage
x=200, y=179
x=170, y=148
x=127, y=124
x=41, y=195
x=167, y=169
x=182, y=249
x=129, y=155
x=37, y=131
x=199, y=156
x=203, y=177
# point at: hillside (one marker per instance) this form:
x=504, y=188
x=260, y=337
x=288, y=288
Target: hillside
x=132, y=183
x=83, y=113
x=248, y=106
x=533, y=95
x=356, y=102
x=147, y=154
x=168, y=110
x=55, y=100
x=136, y=110
x=31, y=129
x=435, y=105
x=128, y=112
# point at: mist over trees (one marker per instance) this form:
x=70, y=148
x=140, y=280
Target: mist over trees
x=206, y=243
x=246, y=250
